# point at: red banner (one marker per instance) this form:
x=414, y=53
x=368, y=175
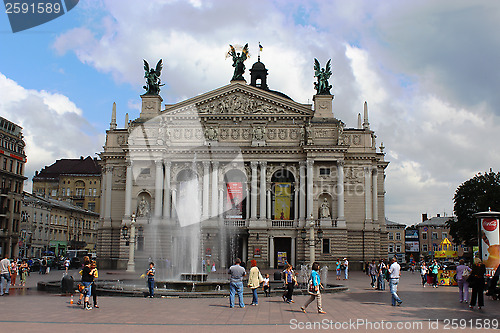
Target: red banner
x=234, y=202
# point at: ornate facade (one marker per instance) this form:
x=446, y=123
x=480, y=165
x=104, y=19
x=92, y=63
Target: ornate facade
x=265, y=169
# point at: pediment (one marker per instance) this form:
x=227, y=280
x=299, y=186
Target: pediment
x=239, y=99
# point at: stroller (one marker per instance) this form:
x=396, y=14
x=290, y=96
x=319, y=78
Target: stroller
x=492, y=283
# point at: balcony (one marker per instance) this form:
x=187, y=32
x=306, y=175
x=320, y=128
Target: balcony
x=283, y=223
x=4, y=191
x=235, y=223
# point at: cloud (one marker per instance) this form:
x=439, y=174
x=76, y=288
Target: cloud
x=53, y=126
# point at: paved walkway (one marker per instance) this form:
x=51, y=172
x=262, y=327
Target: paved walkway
x=360, y=309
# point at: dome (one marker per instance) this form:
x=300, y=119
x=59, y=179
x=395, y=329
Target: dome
x=258, y=66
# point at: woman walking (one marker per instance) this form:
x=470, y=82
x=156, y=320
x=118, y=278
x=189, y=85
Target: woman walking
x=290, y=282
x=95, y=274
x=13, y=272
x=314, y=290
x=23, y=270
x=424, y=270
x=434, y=269
x=254, y=280
x=463, y=272
x=476, y=281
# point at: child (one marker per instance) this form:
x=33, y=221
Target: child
x=151, y=279
x=266, y=286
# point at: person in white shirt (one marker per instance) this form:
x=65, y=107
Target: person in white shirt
x=395, y=272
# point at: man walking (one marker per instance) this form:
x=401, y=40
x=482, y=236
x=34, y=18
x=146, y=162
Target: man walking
x=372, y=271
x=394, y=271
x=4, y=275
x=236, y=283
x=151, y=279
x=346, y=268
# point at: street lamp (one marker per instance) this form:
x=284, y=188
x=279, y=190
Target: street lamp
x=131, y=249
x=312, y=241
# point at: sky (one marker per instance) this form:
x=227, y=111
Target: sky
x=426, y=69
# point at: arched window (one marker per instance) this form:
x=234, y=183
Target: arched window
x=283, y=204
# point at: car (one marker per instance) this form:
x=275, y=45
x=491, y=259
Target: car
x=35, y=266
x=75, y=263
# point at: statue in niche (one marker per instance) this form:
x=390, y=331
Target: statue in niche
x=211, y=133
x=259, y=133
x=323, y=74
x=238, y=59
x=324, y=211
x=143, y=207
x=153, y=82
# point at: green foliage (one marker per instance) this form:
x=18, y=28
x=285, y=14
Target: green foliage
x=478, y=194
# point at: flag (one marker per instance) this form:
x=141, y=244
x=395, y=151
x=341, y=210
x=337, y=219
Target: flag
x=260, y=47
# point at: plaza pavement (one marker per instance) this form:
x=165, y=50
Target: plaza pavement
x=360, y=309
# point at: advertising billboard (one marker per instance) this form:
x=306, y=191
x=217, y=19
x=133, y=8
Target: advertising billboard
x=411, y=234
x=234, y=201
x=412, y=246
x=490, y=243
x=282, y=200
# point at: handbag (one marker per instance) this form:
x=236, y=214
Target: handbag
x=312, y=289
x=465, y=274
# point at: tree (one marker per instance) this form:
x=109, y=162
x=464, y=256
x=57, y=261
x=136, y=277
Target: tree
x=478, y=194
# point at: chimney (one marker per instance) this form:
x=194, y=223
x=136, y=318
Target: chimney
x=438, y=215
x=424, y=217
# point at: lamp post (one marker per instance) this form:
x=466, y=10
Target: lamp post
x=131, y=249
x=312, y=241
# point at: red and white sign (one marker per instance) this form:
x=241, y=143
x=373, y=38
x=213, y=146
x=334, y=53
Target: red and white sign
x=490, y=224
x=490, y=243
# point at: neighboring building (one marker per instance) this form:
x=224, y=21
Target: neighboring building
x=12, y=160
x=257, y=168
x=54, y=225
x=78, y=180
x=432, y=232
x=395, y=240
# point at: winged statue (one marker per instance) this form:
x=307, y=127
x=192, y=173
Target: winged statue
x=153, y=82
x=323, y=74
x=238, y=58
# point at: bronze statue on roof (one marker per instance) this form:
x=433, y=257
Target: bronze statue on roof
x=323, y=74
x=238, y=59
x=153, y=82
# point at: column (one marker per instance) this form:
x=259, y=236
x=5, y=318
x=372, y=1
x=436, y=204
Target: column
x=215, y=185
x=302, y=190
x=292, y=249
x=158, y=188
x=206, y=175
x=174, y=202
x=221, y=202
x=269, y=203
x=263, y=209
x=107, y=199
x=103, y=195
x=166, y=188
x=368, y=194
x=340, y=190
x=245, y=249
x=253, y=189
x=247, y=215
x=375, y=194
x=310, y=175
x=271, y=251
x=128, y=191
x=296, y=201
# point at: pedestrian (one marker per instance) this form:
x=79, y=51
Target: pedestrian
x=290, y=282
x=95, y=274
x=4, y=276
x=87, y=280
x=382, y=268
x=150, y=273
x=476, y=281
x=13, y=272
x=254, y=280
x=372, y=270
x=346, y=268
x=365, y=268
x=236, y=283
x=314, y=289
x=395, y=272
x=338, y=268
x=434, y=269
x=424, y=270
x=463, y=272
x=23, y=272
x=266, y=286
x=67, y=262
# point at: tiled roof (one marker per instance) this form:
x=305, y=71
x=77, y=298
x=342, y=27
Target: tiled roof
x=394, y=224
x=78, y=166
x=436, y=221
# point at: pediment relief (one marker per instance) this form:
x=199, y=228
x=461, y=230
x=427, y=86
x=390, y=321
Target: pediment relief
x=240, y=100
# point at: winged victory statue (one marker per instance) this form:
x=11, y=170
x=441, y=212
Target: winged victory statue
x=238, y=59
x=323, y=74
x=153, y=81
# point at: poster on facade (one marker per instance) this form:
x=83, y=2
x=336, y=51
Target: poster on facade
x=411, y=234
x=490, y=244
x=412, y=246
x=234, y=201
x=282, y=200
x=282, y=258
